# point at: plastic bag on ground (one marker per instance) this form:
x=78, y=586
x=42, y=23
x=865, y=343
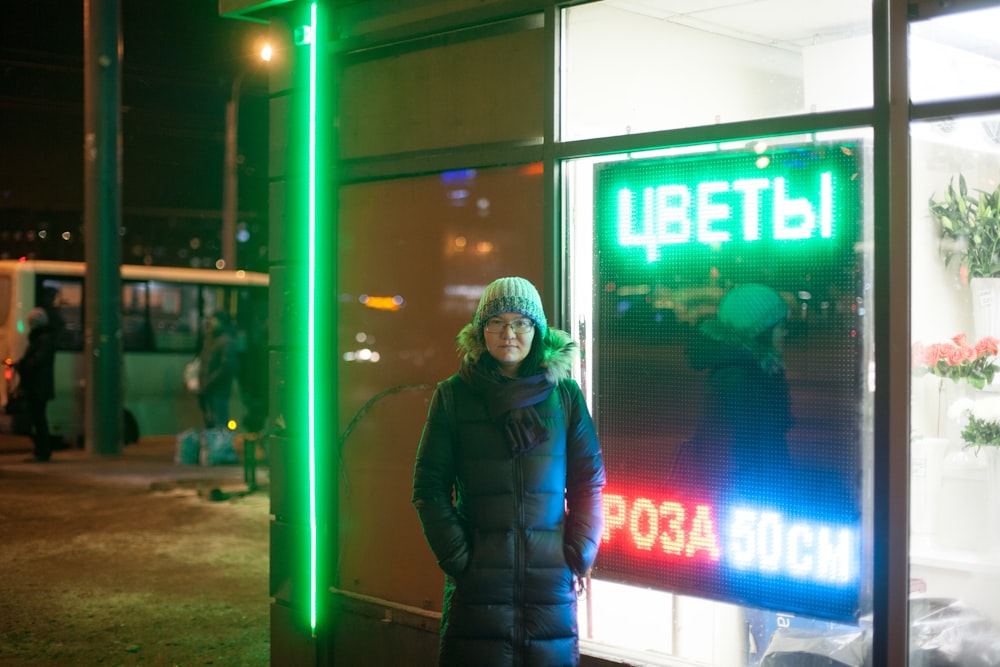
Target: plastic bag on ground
x=805, y=648
x=188, y=447
x=219, y=448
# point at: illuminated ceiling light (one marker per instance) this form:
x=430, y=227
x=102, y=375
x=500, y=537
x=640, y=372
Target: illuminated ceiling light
x=461, y=242
x=266, y=53
x=484, y=247
x=66, y=236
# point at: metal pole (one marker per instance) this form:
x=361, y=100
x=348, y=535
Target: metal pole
x=103, y=423
x=230, y=180
x=891, y=457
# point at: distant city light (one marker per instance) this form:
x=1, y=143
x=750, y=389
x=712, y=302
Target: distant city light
x=382, y=302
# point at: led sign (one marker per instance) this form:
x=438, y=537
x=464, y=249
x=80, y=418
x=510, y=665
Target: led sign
x=677, y=213
x=796, y=201
x=763, y=556
x=735, y=466
x=745, y=538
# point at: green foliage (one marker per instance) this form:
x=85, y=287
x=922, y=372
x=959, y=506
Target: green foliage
x=981, y=432
x=972, y=223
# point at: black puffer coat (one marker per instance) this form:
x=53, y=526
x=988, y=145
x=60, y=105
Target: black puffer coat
x=521, y=528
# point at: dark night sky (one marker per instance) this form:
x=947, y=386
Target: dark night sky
x=179, y=61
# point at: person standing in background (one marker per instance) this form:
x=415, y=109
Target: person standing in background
x=36, y=370
x=219, y=367
x=507, y=486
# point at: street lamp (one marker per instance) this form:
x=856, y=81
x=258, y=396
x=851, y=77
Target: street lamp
x=230, y=180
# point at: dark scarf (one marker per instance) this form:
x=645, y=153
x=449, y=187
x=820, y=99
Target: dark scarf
x=511, y=403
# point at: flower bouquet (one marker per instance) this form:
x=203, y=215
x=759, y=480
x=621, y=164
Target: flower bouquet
x=958, y=360
x=970, y=227
x=983, y=427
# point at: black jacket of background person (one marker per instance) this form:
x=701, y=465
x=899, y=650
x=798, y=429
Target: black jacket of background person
x=37, y=367
x=509, y=547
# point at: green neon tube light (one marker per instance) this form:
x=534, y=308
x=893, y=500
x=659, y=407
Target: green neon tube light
x=311, y=342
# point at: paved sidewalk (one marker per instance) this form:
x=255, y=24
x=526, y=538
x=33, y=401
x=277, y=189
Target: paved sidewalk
x=150, y=463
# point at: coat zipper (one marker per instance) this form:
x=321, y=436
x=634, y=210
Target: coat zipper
x=519, y=630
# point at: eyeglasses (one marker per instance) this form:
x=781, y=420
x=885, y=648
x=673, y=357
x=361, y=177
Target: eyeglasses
x=519, y=326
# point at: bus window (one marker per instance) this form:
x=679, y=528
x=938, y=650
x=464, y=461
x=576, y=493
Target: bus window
x=173, y=314
x=136, y=332
x=62, y=299
x=213, y=299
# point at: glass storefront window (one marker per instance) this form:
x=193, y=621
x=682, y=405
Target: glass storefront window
x=430, y=84
x=415, y=255
x=955, y=56
x=955, y=454
x=735, y=516
x=631, y=67
x=355, y=19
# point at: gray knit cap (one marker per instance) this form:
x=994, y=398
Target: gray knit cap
x=510, y=295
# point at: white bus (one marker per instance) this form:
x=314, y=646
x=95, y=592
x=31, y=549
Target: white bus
x=163, y=311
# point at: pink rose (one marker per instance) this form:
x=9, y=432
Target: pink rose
x=968, y=353
x=988, y=345
x=954, y=355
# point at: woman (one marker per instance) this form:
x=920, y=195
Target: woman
x=507, y=485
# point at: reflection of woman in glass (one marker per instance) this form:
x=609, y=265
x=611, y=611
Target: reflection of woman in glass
x=741, y=435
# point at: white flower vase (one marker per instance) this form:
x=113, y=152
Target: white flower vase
x=926, y=461
x=992, y=456
x=986, y=314
x=986, y=306
x=954, y=395
x=963, y=493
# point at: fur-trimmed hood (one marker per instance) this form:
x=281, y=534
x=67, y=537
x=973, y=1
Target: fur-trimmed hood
x=558, y=355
